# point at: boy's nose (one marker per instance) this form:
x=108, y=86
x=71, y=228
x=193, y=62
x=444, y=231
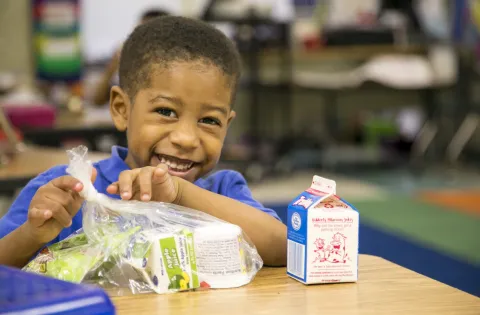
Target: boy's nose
x=185, y=137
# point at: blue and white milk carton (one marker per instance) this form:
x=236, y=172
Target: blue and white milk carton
x=322, y=236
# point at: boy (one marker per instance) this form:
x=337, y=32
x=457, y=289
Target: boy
x=110, y=74
x=177, y=84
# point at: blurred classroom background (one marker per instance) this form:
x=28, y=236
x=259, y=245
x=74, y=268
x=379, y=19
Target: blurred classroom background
x=378, y=95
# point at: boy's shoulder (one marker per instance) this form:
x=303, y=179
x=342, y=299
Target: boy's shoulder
x=55, y=172
x=233, y=184
x=221, y=181
x=51, y=173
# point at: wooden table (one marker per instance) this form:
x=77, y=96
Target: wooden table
x=383, y=288
x=33, y=161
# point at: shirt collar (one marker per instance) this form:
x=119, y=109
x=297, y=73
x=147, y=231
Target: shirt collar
x=112, y=167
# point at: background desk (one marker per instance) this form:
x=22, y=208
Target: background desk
x=33, y=161
x=89, y=128
x=383, y=288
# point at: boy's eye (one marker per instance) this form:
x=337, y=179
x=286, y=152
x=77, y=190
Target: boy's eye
x=167, y=112
x=210, y=121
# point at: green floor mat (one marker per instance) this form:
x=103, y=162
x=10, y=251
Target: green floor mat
x=456, y=234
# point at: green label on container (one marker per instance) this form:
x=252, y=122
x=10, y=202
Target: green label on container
x=178, y=278
x=193, y=261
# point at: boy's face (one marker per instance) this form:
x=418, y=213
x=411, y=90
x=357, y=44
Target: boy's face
x=180, y=119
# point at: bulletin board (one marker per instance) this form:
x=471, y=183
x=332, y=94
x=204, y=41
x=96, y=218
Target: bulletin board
x=56, y=37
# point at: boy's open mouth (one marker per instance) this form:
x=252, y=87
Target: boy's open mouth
x=175, y=164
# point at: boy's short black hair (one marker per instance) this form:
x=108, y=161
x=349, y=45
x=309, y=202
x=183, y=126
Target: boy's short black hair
x=168, y=39
x=153, y=13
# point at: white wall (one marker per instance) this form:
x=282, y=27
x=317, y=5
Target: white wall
x=106, y=23
x=15, y=38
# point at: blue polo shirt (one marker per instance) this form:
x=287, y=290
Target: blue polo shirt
x=226, y=182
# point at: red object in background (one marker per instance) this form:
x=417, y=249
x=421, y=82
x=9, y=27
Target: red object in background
x=34, y=116
x=367, y=18
x=312, y=43
x=3, y=136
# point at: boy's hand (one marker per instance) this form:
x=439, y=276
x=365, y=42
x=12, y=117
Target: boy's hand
x=145, y=184
x=53, y=207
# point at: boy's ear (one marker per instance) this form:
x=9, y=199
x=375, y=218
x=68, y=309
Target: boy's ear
x=119, y=108
x=231, y=117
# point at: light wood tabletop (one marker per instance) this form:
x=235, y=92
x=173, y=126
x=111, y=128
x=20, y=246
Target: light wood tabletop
x=383, y=288
x=35, y=160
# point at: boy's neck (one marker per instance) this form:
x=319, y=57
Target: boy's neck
x=130, y=161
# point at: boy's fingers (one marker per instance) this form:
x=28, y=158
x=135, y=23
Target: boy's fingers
x=70, y=201
x=37, y=217
x=60, y=214
x=50, y=209
x=125, y=181
x=113, y=188
x=61, y=197
x=160, y=174
x=145, y=182
x=94, y=174
x=67, y=183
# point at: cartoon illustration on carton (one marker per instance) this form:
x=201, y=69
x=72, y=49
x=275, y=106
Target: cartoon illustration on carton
x=320, y=250
x=338, y=253
x=334, y=253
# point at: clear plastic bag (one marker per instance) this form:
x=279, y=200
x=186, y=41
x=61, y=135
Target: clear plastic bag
x=137, y=247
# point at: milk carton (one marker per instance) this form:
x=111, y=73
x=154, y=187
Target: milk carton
x=322, y=236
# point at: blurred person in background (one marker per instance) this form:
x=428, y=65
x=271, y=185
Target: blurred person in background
x=110, y=74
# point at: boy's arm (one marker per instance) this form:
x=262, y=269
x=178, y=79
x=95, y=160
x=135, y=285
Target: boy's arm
x=15, y=245
x=18, y=248
x=18, y=243
x=267, y=233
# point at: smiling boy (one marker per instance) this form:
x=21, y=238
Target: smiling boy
x=178, y=81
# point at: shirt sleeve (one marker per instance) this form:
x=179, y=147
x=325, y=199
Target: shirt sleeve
x=17, y=214
x=237, y=189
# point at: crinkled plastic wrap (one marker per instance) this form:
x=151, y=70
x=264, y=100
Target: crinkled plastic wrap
x=137, y=247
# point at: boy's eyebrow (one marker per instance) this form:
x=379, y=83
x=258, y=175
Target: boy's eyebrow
x=163, y=97
x=220, y=109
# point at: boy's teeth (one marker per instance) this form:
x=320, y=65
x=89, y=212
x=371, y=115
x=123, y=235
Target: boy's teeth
x=175, y=165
